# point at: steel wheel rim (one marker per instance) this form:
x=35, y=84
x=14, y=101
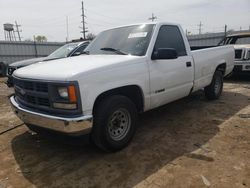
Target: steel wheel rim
x=217, y=85
x=119, y=124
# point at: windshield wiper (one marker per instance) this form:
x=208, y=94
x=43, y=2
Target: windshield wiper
x=114, y=50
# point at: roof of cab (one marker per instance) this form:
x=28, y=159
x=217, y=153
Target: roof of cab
x=144, y=23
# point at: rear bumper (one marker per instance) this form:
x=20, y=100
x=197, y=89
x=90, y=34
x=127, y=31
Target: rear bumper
x=73, y=126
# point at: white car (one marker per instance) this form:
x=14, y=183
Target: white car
x=67, y=50
x=128, y=70
x=241, y=43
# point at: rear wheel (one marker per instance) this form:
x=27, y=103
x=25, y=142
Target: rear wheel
x=114, y=123
x=214, y=90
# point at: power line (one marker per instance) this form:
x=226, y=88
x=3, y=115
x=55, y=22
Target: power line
x=153, y=18
x=103, y=22
x=109, y=17
x=56, y=19
x=84, y=31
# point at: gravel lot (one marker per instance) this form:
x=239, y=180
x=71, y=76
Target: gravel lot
x=189, y=143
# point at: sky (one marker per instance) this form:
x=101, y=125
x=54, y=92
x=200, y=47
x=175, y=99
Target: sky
x=48, y=17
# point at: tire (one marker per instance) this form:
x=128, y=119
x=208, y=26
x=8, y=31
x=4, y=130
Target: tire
x=114, y=123
x=214, y=90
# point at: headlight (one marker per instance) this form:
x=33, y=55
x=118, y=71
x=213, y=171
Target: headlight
x=63, y=92
x=248, y=55
x=10, y=70
x=69, y=96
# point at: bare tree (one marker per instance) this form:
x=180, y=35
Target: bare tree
x=41, y=38
x=90, y=36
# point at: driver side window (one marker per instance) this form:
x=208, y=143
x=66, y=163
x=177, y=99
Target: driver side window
x=170, y=37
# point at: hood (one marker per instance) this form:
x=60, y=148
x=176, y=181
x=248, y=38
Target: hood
x=69, y=68
x=26, y=62
x=242, y=46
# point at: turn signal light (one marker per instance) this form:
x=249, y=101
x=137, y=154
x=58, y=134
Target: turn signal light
x=72, y=94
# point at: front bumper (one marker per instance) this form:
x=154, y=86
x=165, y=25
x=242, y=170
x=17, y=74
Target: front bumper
x=241, y=66
x=10, y=81
x=73, y=126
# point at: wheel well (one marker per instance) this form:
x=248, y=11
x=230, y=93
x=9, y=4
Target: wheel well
x=222, y=68
x=133, y=92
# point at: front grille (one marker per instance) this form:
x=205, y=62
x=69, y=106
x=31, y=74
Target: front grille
x=39, y=96
x=31, y=85
x=11, y=70
x=238, y=54
x=41, y=87
x=32, y=93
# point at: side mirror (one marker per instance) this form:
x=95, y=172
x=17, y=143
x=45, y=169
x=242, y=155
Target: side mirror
x=164, y=53
x=76, y=54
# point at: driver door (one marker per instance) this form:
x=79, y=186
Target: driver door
x=170, y=79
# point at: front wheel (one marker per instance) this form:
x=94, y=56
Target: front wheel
x=214, y=90
x=114, y=123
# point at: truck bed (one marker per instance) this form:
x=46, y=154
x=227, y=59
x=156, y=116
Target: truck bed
x=206, y=61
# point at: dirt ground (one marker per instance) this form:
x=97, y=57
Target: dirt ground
x=192, y=142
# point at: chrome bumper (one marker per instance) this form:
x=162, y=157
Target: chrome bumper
x=242, y=65
x=78, y=125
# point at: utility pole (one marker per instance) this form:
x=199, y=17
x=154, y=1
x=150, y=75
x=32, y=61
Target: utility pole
x=17, y=30
x=67, y=28
x=153, y=18
x=200, y=27
x=225, y=31
x=84, y=29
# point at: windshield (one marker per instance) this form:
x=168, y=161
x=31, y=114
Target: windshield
x=63, y=51
x=133, y=40
x=235, y=40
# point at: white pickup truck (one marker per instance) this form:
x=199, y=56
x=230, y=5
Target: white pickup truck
x=125, y=71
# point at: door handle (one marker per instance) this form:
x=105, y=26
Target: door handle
x=188, y=64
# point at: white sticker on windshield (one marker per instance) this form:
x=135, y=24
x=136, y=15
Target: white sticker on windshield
x=137, y=35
